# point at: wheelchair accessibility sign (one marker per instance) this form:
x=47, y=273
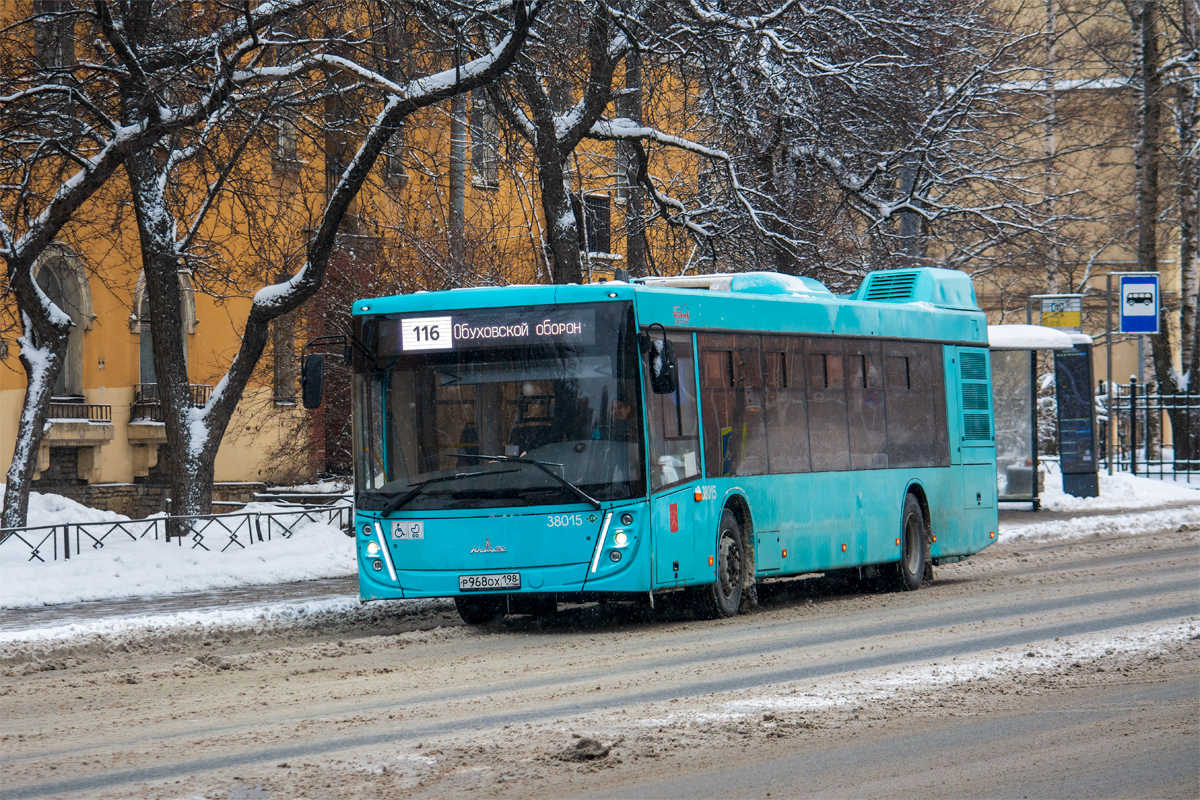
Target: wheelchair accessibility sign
x=1139, y=299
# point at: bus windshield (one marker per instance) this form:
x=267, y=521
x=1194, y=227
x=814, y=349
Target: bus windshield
x=494, y=408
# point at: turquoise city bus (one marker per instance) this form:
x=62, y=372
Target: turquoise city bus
x=525, y=446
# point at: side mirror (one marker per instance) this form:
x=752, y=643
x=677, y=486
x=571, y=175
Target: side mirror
x=664, y=370
x=312, y=380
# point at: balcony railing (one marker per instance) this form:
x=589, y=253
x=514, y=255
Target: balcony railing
x=148, y=406
x=92, y=412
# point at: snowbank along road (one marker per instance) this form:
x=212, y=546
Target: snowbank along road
x=1040, y=668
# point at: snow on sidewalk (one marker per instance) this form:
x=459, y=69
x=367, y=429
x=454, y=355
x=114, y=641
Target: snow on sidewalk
x=1125, y=523
x=125, y=567
x=1120, y=491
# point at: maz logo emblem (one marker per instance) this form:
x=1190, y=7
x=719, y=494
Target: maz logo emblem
x=487, y=547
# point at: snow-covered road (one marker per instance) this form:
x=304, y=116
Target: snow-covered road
x=1043, y=664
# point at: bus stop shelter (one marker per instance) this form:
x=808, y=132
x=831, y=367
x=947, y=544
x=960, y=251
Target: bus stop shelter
x=1014, y=399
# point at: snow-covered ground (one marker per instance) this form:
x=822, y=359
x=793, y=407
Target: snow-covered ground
x=126, y=567
x=879, y=684
x=1118, y=492
x=346, y=611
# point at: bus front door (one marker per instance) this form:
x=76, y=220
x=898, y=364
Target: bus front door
x=673, y=518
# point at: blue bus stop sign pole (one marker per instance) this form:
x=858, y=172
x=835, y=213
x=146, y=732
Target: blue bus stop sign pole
x=1139, y=303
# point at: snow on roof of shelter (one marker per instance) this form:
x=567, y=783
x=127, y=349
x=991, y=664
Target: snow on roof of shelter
x=1029, y=337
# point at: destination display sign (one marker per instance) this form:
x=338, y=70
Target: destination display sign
x=493, y=327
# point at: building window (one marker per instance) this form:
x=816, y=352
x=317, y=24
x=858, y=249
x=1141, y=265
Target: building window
x=54, y=33
x=287, y=127
x=146, y=372
x=61, y=276
x=139, y=323
x=597, y=223
x=283, y=345
x=485, y=142
x=393, y=160
x=287, y=145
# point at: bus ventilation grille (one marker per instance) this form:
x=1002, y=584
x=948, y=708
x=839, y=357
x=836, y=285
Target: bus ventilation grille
x=891, y=286
x=974, y=366
x=975, y=396
x=976, y=401
x=977, y=427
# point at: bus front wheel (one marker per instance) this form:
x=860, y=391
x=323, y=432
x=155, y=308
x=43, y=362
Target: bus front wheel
x=722, y=597
x=479, y=610
x=910, y=572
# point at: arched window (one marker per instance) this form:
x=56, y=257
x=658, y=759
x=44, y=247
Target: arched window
x=61, y=275
x=139, y=323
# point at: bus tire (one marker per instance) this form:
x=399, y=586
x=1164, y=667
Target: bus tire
x=914, y=544
x=723, y=597
x=479, y=610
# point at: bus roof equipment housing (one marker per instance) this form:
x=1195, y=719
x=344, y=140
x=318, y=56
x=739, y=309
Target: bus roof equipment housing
x=944, y=288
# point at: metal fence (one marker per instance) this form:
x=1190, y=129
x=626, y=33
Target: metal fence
x=147, y=404
x=1156, y=434
x=220, y=531
x=92, y=412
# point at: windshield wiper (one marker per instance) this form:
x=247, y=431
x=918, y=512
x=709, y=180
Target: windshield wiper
x=397, y=503
x=544, y=466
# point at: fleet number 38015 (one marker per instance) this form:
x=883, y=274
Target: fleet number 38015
x=564, y=520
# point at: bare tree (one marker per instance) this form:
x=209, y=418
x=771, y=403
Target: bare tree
x=1137, y=61
x=64, y=133
x=554, y=94
x=194, y=431
x=874, y=135
x=1160, y=60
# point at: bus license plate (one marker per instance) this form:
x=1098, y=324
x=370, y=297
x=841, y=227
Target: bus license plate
x=489, y=583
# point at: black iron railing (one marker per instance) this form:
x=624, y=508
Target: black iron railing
x=58, y=542
x=1156, y=434
x=147, y=404
x=92, y=412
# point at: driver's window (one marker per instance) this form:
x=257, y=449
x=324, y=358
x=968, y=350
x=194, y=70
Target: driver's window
x=528, y=416
x=674, y=433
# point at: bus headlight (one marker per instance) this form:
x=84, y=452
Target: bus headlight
x=614, y=556
x=621, y=539
x=367, y=531
x=373, y=550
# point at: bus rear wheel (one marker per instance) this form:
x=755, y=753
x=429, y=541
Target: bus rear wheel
x=722, y=597
x=910, y=572
x=479, y=610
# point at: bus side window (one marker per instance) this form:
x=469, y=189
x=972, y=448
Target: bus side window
x=754, y=456
x=718, y=369
x=828, y=437
x=868, y=432
x=776, y=364
x=786, y=404
x=674, y=430
x=734, y=428
x=898, y=375
x=915, y=399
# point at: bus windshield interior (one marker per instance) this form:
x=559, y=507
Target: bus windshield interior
x=459, y=427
